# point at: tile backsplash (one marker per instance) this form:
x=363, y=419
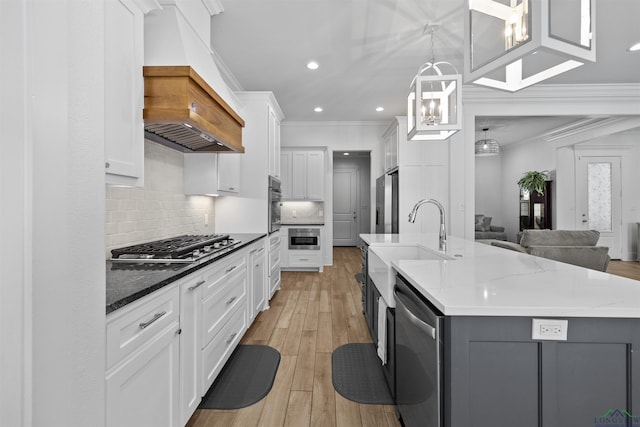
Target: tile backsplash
x=302, y=213
x=160, y=209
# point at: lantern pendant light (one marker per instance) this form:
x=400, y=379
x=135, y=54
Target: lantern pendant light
x=434, y=103
x=513, y=44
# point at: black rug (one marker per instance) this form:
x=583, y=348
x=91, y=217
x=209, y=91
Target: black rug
x=357, y=374
x=245, y=379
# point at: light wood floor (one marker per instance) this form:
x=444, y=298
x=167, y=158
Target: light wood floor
x=312, y=314
x=629, y=269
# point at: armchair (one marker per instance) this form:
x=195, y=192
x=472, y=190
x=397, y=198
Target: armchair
x=570, y=246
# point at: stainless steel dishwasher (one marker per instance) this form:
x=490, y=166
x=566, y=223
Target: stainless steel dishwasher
x=418, y=358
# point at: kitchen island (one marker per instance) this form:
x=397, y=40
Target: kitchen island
x=491, y=302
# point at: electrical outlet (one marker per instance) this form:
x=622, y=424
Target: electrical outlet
x=549, y=329
x=294, y=214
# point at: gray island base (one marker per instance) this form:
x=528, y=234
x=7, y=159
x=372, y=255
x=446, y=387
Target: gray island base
x=496, y=375
x=493, y=369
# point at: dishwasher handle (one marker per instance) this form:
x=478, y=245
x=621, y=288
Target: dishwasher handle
x=428, y=329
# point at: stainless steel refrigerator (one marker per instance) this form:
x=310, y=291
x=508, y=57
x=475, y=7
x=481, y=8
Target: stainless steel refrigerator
x=387, y=203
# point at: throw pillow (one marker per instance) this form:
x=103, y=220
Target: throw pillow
x=486, y=223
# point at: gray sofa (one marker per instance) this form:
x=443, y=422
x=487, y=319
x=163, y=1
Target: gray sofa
x=575, y=247
x=484, y=229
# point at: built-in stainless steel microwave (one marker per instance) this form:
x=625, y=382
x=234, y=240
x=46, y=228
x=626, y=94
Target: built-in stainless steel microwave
x=304, y=238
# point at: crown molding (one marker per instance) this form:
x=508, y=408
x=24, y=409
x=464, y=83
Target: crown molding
x=544, y=93
x=214, y=7
x=382, y=124
x=147, y=6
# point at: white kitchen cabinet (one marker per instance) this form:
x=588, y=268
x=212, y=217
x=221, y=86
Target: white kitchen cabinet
x=124, y=90
x=190, y=354
x=285, y=173
x=275, y=243
x=304, y=259
x=143, y=350
x=216, y=354
x=261, y=138
x=299, y=175
x=211, y=173
x=315, y=175
x=201, y=173
x=257, y=280
x=390, y=139
x=224, y=313
x=305, y=174
x=274, y=142
x=229, y=167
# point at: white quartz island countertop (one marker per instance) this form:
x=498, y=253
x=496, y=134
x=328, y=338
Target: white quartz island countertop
x=483, y=280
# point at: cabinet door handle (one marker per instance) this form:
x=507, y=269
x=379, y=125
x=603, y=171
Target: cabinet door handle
x=232, y=299
x=231, y=337
x=197, y=285
x=155, y=317
x=230, y=269
x=260, y=250
x=304, y=259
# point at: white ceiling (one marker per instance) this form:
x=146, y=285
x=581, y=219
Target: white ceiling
x=369, y=51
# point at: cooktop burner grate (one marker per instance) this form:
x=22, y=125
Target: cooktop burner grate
x=174, y=247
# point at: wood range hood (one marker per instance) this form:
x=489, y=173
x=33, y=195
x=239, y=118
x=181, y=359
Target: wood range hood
x=183, y=112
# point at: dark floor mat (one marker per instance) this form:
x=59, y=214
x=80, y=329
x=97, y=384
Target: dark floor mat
x=245, y=379
x=357, y=374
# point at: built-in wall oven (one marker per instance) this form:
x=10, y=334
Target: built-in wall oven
x=275, y=203
x=304, y=238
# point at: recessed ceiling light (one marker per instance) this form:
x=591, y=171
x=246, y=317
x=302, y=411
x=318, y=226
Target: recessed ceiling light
x=345, y=154
x=378, y=109
x=312, y=65
x=634, y=47
x=318, y=109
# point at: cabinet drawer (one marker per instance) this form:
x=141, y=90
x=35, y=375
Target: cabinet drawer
x=218, y=273
x=220, y=348
x=274, y=258
x=274, y=280
x=216, y=307
x=304, y=260
x=132, y=326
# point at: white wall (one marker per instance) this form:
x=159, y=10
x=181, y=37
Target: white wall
x=489, y=188
x=15, y=224
x=337, y=136
x=160, y=209
x=52, y=190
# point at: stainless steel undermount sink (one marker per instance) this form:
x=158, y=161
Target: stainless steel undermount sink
x=381, y=271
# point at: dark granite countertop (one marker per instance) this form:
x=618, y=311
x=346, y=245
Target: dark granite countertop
x=129, y=282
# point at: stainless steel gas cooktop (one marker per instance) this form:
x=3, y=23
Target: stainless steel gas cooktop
x=179, y=249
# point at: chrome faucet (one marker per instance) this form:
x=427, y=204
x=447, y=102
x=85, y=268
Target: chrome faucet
x=443, y=232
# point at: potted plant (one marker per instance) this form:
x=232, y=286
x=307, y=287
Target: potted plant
x=534, y=181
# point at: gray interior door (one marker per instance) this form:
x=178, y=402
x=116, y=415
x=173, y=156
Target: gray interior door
x=345, y=207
